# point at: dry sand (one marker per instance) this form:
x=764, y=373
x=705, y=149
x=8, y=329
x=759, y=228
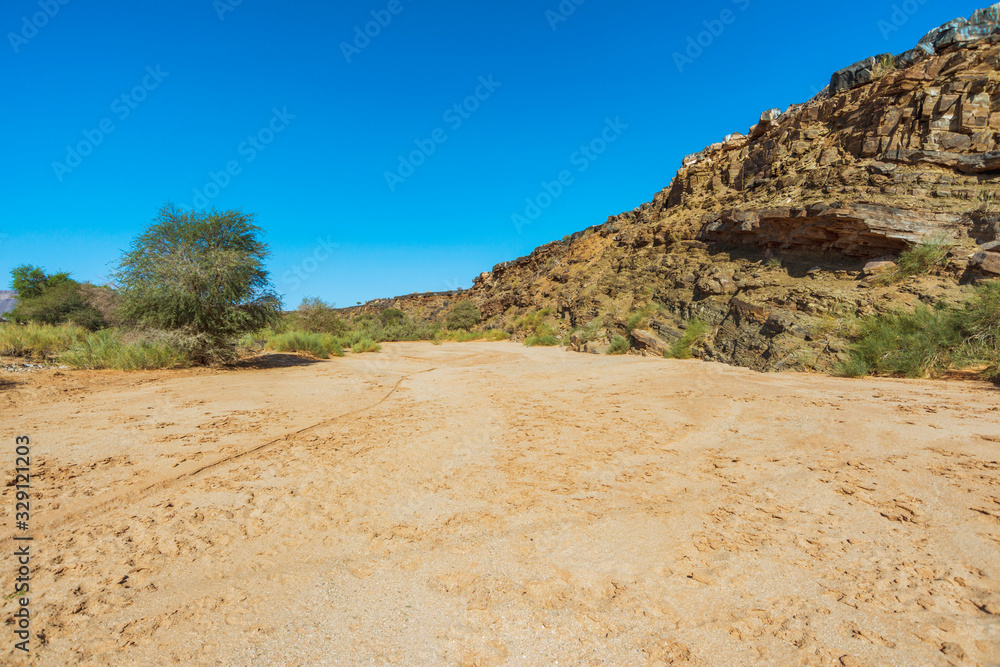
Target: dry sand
x=488, y=504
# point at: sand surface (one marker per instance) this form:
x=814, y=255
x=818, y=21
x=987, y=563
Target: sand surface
x=489, y=504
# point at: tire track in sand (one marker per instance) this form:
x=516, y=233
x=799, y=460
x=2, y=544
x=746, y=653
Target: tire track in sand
x=85, y=512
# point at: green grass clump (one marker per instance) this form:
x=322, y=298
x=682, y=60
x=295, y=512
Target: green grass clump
x=365, y=345
x=884, y=66
x=916, y=261
x=321, y=346
x=542, y=341
x=696, y=332
x=639, y=319
x=114, y=350
x=534, y=322
x=39, y=341
x=619, y=345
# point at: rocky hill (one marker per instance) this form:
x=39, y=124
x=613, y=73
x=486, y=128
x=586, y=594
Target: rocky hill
x=8, y=301
x=773, y=237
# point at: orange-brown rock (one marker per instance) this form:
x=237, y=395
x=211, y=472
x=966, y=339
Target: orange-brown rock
x=765, y=236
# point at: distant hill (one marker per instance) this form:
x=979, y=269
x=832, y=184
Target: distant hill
x=8, y=300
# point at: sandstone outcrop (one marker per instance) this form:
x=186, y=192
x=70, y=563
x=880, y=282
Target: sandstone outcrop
x=767, y=236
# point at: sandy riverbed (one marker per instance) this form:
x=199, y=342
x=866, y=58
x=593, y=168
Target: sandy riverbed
x=489, y=504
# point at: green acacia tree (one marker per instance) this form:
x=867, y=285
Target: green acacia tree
x=53, y=298
x=200, y=274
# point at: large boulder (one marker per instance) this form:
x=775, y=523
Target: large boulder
x=928, y=43
x=856, y=75
x=959, y=32
x=986, y=262
x=877, y=266
x=649, y=342
x=716, y=281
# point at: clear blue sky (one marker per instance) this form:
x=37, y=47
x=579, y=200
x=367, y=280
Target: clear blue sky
x=199, y=78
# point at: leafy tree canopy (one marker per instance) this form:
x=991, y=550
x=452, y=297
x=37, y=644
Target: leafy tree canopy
x=201, y=273
x=53, y=298
x=31, y=281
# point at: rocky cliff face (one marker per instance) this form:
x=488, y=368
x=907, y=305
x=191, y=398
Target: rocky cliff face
x=766, y=236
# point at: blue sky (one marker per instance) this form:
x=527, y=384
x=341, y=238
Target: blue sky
x=112, y=109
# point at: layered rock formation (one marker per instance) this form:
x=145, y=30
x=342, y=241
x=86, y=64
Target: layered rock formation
x=765, y=235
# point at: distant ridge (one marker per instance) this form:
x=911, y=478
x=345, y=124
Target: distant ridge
x=8, y=301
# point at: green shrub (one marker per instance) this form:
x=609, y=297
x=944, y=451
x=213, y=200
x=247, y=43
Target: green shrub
x=464, y=316
x=980, y=317
x=695, y=333
x=926, y=341
x=316, y=316
x=534, y=322
x=619, y=345
x=590, y=331
x=320, y=346
x=365, y=345
x=392, y=317
x=539, y=331
x=114, y=350
x=542, y=341
x=54, y=299
x=391, y=325
x=495, y=335
x=904, y=344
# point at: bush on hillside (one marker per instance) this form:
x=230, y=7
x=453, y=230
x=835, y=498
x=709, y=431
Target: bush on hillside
x=463, y=316
x=928, y=340
x=696, y=332
x=619, y=345
x=365, y=345
x=542, y=341
x=317, y=316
